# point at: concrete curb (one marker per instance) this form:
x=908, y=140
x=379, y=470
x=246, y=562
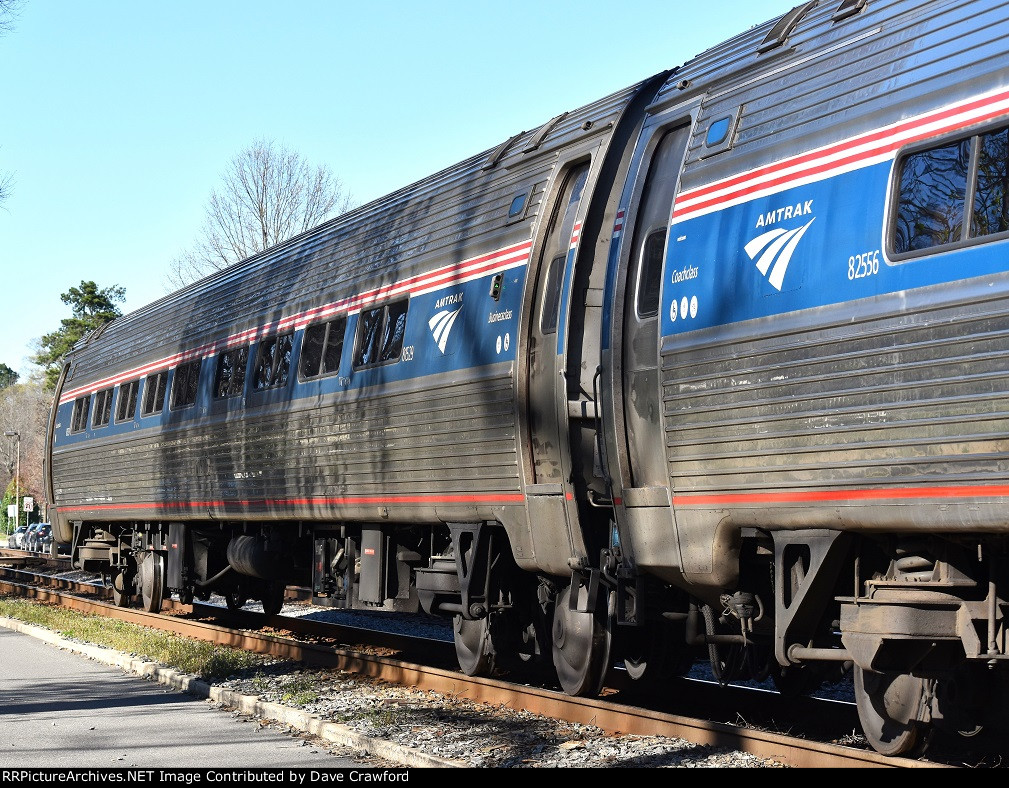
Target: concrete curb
x=246, y=704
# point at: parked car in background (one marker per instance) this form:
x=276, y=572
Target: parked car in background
x=44, y=538
x=16, y=539
x=29, y=537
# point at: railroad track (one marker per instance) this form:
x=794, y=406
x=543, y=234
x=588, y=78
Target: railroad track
x=13, y=556
x=390, y=657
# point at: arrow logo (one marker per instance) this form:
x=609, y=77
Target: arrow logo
x=779, y=244
x=441, y=325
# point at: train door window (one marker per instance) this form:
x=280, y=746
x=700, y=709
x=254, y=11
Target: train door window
x=229, y=379
x=380, y=334
x=650, y=273
x=560, y=244
x=79, y=419
x=642, y=405
x=552, y=295
x=650, y=236
x=322, y=348
x=186, y=384
x=154, y=394
x=126, y=406
x=103, y=408
x=273, y=362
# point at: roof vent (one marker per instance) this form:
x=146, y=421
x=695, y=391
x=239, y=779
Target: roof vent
x=540, y=135
x=847, y=8
x=498, y=153
x=783, y=27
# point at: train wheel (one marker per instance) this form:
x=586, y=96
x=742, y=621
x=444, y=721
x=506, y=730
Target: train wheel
x=794, y=681
x=234, y=599
x=655, y=654
x=890, y=708
x=273, y=597
x=122, y=590
x=962, y=700
x=152, y=581
x=581, y=646
x=473, y=646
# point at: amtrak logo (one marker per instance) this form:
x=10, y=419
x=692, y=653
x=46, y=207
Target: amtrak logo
x=780, y=244
x=441, y=326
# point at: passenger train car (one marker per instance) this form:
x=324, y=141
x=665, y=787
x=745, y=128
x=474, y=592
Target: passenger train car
x=712, y=368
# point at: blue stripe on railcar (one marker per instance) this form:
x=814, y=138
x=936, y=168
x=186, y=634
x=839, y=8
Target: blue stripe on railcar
x=804, y=247
x=482, y=331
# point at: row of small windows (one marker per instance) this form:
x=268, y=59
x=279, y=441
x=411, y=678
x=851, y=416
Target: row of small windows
x=380, y=341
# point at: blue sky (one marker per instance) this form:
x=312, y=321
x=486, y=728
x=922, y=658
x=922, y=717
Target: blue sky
x=119, y=118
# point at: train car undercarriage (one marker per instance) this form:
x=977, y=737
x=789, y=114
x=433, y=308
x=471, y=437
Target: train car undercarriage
x=919, y=622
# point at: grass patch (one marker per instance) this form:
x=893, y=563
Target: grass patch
x=195, y=657
x=300, y=690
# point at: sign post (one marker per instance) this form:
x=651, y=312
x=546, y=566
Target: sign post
x=17, y=476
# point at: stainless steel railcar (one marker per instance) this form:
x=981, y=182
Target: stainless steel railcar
x=713, y=367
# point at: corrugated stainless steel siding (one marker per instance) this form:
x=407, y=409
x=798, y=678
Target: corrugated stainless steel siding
x=447, y=436
x=915, y=391
x=831, y=80
x=451, y=440
x=912, y=399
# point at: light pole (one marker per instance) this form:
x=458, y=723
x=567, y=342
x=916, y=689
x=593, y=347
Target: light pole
x=17, y=480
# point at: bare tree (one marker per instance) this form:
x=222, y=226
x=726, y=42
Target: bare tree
x=9, y=10
x=24, y=409
x=268, y=194
x=6, y=183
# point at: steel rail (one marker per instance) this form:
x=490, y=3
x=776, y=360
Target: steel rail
x=241, y=619
x=13, y=555
x=613, y=718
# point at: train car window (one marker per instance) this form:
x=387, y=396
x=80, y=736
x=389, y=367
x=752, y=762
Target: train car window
x=933, y=188
x=380, y=334
x=126, y=406
x=393, y=331
x=229, y=379
x=154, y=394
x=79, y=419
x=717, y=132
x=517, y=206
x=369, y=326
x=552, y=295
x=990, y=212
x=103, y=408
x=952, y=193
x=650, y=273
x=273, y=362
x=322, y=348
x=721, y=133
x=186, y=384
